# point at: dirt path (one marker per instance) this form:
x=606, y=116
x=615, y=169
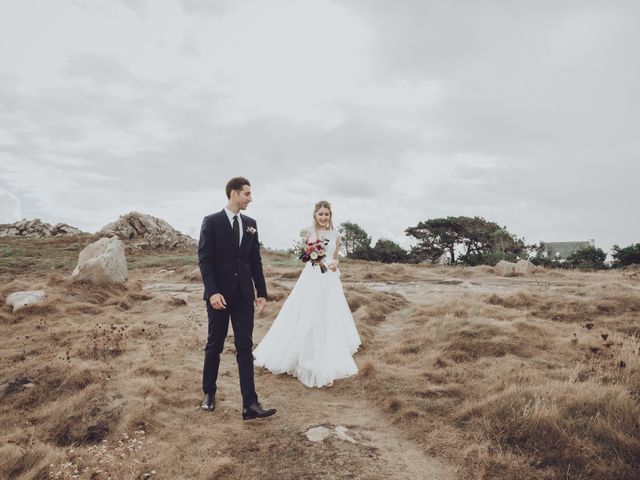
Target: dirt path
x=361, y=441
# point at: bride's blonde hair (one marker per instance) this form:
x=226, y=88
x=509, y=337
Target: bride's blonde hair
x=318, y=206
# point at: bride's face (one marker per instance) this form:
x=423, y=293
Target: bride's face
x=323, y=217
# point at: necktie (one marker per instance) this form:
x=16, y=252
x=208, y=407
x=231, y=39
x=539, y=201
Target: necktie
x=236, y=231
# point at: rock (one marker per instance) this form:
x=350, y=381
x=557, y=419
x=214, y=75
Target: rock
x=195, y=274
x=37, y=229
x=20, y=300
x=504, y=268
x=64, y=229
x=341, y=432
x=318, y=434
x=178, y=299
x=525, y=267
x=102, y=262
x=153, y=232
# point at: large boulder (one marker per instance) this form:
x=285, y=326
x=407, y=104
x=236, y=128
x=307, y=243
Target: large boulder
x=151, y=232
x=20, y=300
x=102, y=262
x=36, y=228
x=525, y=267
x=504, y=268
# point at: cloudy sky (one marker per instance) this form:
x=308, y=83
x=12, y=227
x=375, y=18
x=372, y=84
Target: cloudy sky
x=526, y=113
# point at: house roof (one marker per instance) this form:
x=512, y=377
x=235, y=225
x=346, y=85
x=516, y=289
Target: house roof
x=565, y=249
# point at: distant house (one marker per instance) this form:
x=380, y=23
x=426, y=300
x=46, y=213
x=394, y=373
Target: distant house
x=562, y=250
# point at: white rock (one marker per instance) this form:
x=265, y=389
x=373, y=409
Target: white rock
x=341, y=432
x=178, y=299
x=154, y=232
x=195, y=274
x=36, y=228
x=19, y=300
x=504, y=268
x=318, y=434
x=102, y=262
x=64, y=229
x=21, y=224
x=525, y=267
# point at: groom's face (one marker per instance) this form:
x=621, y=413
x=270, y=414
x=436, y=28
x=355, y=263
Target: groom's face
x=242, y=198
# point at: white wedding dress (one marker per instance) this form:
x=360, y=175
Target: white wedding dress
x=314, y=336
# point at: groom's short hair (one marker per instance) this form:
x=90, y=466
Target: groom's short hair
x=236, y=183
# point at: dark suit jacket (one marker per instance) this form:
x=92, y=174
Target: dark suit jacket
x=223, y=266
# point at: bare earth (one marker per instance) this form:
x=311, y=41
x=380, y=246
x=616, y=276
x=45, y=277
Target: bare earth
x=463, y=374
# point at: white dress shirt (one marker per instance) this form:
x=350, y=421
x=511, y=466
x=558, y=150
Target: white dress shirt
x=230, y=214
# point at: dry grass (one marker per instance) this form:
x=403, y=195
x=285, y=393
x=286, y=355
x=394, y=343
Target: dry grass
x=521, y=395
x=84, y=419
x=588, y=429
x=503, y=378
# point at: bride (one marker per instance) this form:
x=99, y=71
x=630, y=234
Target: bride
x=314, y=336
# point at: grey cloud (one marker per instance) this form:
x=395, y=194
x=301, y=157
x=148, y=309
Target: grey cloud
x=10, y=206
x=209, y=7
x=545, y=89
x=200, y=150
x=139, y=7
x=516, y=74
x=535, y=126
x=103, y=69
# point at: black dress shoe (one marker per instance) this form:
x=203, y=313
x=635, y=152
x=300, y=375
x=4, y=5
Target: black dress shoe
x=255, y=410
x=208, y=402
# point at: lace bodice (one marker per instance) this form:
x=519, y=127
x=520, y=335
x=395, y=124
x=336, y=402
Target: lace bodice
x=331, y=235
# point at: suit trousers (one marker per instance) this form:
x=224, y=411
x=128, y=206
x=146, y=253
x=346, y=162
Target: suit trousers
x=240, y=310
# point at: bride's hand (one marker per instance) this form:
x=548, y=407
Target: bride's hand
x=333, y=266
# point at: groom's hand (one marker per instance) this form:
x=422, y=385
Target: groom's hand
x=261, y=302
x=217, y=301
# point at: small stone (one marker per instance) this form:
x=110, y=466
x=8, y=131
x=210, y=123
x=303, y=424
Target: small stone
x=19, y=300
x=341, y=432
x=317, y=434
x=178, y=299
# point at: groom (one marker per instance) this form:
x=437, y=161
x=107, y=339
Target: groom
x=230, y=264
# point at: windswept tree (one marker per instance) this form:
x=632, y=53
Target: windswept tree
x=478, y=236
x=435, y=237
x=388, y=251
x=588, y=257
x=487, y=243
x=353, y=238
x=478, y=240
x=626, y=256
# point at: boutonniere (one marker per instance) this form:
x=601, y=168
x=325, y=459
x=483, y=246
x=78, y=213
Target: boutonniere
x=250, y=230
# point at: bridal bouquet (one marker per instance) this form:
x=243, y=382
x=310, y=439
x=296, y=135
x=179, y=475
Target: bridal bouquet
x=310, y=250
